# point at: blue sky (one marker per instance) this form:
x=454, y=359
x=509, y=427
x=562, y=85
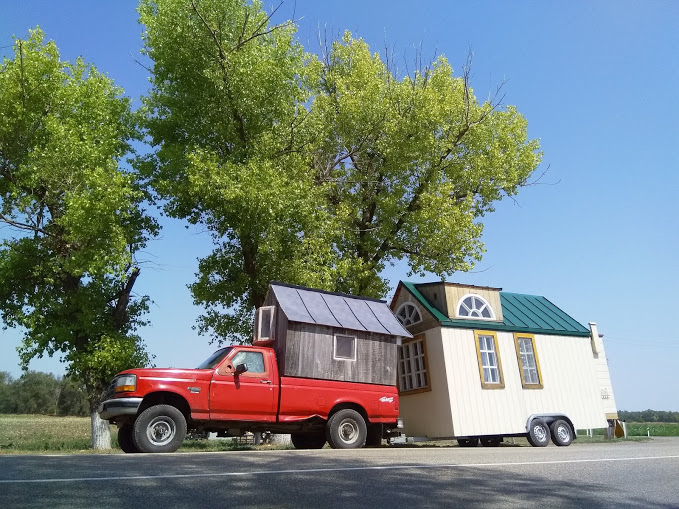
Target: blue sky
x=598, y=82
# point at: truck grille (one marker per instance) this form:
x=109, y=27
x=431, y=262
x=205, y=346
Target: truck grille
x=111, y=388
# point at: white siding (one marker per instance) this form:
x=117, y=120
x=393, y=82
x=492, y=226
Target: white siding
x=568, y=375
x=428, y=413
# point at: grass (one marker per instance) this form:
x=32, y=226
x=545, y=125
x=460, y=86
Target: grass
x=25, y=434
x=22, y=434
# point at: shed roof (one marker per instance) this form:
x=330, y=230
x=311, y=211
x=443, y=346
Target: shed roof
x=532, y=314
x=307, y=305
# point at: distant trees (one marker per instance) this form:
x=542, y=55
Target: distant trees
x=42, y=393
x=649, y=416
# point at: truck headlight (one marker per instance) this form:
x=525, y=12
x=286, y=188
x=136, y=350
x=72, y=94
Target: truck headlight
x=126, y=383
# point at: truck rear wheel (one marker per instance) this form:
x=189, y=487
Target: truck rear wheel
x=308, y=440
x=160, y=428
x=126, y=438
x=346, y=429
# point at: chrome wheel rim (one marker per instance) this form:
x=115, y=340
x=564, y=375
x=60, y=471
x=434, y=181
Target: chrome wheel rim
x=540, y=433
x=348, y=431
x=564, y=433
x=161, y=431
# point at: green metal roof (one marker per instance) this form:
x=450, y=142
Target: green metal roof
x=521, y=313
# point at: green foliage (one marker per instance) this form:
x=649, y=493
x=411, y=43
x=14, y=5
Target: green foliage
x=648, y=416
x=42, y=393
x=319, y=173
x=67, y=274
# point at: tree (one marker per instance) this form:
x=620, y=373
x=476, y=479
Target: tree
x=316, y=172
x=67, y=274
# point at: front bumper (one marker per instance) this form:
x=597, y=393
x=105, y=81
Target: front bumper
x=118, y=406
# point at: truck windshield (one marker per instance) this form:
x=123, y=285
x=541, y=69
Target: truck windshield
x=214, y=359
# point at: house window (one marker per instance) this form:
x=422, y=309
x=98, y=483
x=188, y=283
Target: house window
x=529, y=365
x=474, y=306
x=490, y=366
x=408, y=314
x=345, y=347
x=412, y=366
x=264, y=323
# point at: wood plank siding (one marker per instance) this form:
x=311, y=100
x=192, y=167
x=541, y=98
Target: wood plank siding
x=309, y=353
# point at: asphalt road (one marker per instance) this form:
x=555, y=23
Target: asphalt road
x=615, y=475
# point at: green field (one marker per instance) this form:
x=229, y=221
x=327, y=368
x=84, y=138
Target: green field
x=21, y=434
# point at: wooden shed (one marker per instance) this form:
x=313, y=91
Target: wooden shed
x=330, y=336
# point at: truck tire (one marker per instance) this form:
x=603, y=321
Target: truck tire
x=308, y=440
x=159, y=428
x=126, y=438
x=346, y=429
x=374, y=436
x=562, y=434
x=538, y=433
x=490, y=441
x=468, y=442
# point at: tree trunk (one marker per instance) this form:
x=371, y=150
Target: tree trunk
x=101, y=433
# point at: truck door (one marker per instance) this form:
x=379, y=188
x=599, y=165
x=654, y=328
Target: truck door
x=246, y=396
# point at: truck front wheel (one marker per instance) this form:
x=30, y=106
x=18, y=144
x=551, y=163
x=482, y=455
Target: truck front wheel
x=160, y=428
x=346, y=429
x=126, y=438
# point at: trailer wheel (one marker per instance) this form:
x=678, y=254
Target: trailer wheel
x=538, y=433
x=468, y=442
x=562, y=434
x=492, y=441
x=159, y=428
x=308, y=440
x=126, y=438
x=346, y=429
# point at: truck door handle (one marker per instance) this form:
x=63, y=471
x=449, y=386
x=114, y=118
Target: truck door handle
x=265, y=381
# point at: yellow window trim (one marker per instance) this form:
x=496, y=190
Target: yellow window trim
x=427, y=388
x=484, y=384
x=525, y=385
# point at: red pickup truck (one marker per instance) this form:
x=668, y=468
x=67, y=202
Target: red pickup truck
x=239, y=389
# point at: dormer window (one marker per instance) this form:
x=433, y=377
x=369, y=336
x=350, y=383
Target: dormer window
x=408, y=314
x=474, y=306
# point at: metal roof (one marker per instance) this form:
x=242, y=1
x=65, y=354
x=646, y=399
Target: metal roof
x=337, y=310
x=520, y=312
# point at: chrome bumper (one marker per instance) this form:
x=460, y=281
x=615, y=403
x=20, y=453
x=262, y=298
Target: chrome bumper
x=118, y=406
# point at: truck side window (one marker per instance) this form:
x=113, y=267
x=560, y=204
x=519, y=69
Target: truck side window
x=254, y=360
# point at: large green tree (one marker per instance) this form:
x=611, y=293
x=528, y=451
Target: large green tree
x=68, y=270
x=316, y=171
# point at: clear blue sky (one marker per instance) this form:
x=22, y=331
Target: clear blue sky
x=598, y=82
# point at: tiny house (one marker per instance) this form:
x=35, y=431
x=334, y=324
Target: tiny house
x=329, y=336
x=484, y=364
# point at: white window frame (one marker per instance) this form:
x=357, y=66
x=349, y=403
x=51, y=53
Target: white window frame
x=258, y=322
x=414, y=313
x=486, y=304
x=409, y=376
x=334, y=348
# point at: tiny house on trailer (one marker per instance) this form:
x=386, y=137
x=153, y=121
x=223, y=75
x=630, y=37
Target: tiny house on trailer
x=329, y=336
x=486, y=364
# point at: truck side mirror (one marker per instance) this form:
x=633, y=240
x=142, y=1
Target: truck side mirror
x=241, y=368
